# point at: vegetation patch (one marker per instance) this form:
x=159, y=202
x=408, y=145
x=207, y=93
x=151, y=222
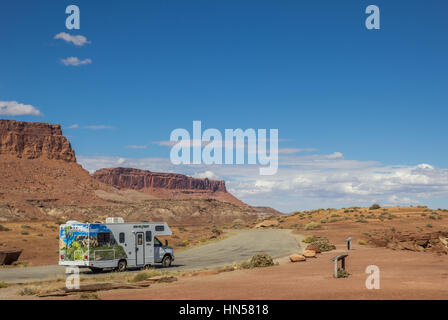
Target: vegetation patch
x=321, y=242
x=342, y=273
x=3, y=228
x=312, y=225
x=257, y=261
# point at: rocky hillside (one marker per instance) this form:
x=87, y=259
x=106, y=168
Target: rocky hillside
x=165, y=185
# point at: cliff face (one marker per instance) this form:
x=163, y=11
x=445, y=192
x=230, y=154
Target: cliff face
x=129, y=178
x=33, y=140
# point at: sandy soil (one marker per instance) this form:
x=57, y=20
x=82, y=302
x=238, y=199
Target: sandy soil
x=403, y=275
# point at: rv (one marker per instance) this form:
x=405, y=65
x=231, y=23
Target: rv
x=114, y=244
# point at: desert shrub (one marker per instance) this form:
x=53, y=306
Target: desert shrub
x=309, y=239
x=361, y=220
x=375, y=206
x=335, y=215
x=3, y=284
x=28, y=291
x=312, y=225
x=321, y=242
x=432, y=217
x=216, y=231
x=24, y=226
x=24, y=233
x=362, y=242
x=423, y=214
x=237, y=223
x=182, y=229
x=429, y=225
x=3, y=228
x=143, y=275
x=257, y=261
x=342, y=273
x=88, y=296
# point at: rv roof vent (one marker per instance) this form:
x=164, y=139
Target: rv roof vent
x=114, y=220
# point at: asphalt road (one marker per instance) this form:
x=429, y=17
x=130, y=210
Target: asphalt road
x=241, y=245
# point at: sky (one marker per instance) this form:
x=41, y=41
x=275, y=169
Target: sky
x=361, y=114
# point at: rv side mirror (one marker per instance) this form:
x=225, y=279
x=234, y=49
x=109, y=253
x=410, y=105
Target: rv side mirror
x=166, y=243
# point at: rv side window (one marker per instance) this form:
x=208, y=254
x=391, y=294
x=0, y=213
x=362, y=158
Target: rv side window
x=103, y=237
x=148, y=236
x=160, y=228
x=121, y=237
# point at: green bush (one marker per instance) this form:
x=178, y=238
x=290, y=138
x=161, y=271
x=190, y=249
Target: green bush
x=362, y=242
x=257, y=261
x=375, y=206
x=321, y=242
x=89, y=296
x=3, y=228
x=312, y=225
x=342, y=273
x=3, y=284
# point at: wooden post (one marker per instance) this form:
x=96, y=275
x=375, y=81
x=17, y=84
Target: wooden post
x=349, y=241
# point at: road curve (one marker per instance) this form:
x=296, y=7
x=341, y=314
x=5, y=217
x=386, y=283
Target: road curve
x=241, y=245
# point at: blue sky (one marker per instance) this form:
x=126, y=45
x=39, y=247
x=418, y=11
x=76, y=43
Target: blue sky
x=374, y=99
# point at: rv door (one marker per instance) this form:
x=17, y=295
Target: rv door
x=139, y=249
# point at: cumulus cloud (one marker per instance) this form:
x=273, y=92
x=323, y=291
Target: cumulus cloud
x=78, y=40
x=74, y=61
x=207, y=174
x=14, y=108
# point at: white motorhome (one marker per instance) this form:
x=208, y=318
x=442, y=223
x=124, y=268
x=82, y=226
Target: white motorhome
x=114, y=244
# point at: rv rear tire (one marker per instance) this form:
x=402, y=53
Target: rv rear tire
x=166, y=262
x=122, y=266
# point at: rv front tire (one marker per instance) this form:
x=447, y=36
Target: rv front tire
x=166, y=262
x=122, y=266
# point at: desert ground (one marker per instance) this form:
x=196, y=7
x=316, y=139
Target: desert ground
x=406, y=243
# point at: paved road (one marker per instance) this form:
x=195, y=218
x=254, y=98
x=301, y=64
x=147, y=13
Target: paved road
x=236, y=248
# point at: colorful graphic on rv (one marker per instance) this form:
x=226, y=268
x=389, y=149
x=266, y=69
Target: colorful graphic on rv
x=93, y=242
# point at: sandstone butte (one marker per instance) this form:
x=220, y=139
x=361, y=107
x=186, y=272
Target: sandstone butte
x=165, y=185
x=34, y=140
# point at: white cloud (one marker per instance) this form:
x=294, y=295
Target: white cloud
x=76, y=40
x=74, y=61
x=98, y=127
x=136, y=147
x=73, y=126
x=13, y=108
x=207, y=174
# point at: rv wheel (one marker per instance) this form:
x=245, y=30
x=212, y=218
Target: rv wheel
x=122, y=265
x=166, y=262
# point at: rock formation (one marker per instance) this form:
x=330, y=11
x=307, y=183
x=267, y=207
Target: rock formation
x=33, y=140
x=129, y=178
